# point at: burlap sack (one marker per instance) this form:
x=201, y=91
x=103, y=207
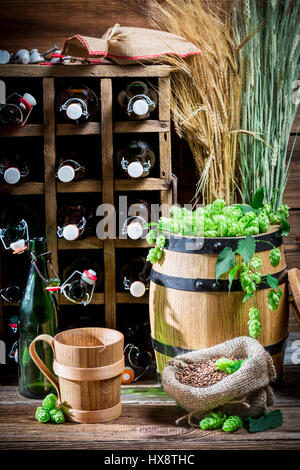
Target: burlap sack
x=83, y=47
x=127, y=45
x=246, y=392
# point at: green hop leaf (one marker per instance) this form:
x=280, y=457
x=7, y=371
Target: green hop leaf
x=258, y=198
x=254, y=327
x=275, y=257
x=42, y=415
x=57, y=416
x=285, y=227
x=232, y=275
x=49, y=402
x=273, y=297
x=213, y=421
x=225, y=262
x=151, y=237
x=256, y=262
x=160, y=241
x=232, y=424
x=254, y=313
x=246, y=248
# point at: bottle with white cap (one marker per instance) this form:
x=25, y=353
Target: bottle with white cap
x=71, y=168
x=79, y=286
x=73, y=220
x=15, y=236
x=135, y=276
x=77, y=104
x=17, y=109
x=138, y=100
x=137, y=159
x=14, y=169
x=139, y=214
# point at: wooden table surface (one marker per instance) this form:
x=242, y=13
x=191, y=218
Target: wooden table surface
x=147, y=422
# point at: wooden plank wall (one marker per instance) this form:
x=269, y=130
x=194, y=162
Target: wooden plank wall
x=42, y=23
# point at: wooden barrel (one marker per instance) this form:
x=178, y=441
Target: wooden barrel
x=189, y=310
x=88, y=363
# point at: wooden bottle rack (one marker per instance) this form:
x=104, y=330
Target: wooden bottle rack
x=108, y=185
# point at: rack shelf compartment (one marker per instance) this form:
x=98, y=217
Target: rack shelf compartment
x=103, y=189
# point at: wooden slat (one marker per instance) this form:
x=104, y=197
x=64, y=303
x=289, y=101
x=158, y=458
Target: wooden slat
x=88, y=243
x=27, y=188
x=49, y=168
x=141, y=126
x=90, y=128
x=80, y=70
x=128, y=243
x=84, y=186
x=29, y=130
x=294, y=140
x=292, y=242
x=98, y=299
x=296, y=122
x=145, y=184
x=292, y=191
x=165, y=141
x=108, y=198
x=127, y=298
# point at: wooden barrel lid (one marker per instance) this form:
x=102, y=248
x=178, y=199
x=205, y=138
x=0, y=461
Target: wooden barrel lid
x=294, y=280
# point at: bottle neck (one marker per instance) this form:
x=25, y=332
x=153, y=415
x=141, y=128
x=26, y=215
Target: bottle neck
x=37, y=247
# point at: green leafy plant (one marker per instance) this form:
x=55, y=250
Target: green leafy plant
x=270, y=420
x=218, y=220
x=232, y=424
x=268, y=40
x=49, y=411
x=229, y=365
x=238, y=220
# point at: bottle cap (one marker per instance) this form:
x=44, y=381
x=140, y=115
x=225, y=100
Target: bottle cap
x=12, y=175
x=135, y=169
x=70, y=232
x=30, y=99
x=18, y=246
x=66, y=173
x=89, y=276
x=135, y=230
x=140, y=107
x=74, y=111
x=137, y=289
x=4, y=57
x=127, y=375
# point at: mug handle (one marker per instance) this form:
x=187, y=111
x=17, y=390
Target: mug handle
x=39, y=363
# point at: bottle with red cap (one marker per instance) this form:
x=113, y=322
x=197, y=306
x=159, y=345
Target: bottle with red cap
x=73, y=219
x=135, y=276
x=14, y=169
x=139, y=214
x=136, y=160
x=79, y=286
x=16, y=109
x=71, y=168
x=138, y=100
x=77, y=104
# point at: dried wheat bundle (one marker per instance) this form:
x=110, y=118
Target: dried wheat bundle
x=206, y=92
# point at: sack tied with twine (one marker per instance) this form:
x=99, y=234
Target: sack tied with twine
x=128, y=45
x=246, y=392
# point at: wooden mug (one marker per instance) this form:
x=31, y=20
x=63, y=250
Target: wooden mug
x=89, y=363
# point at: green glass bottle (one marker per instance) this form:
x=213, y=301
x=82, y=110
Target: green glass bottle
x=38, y=315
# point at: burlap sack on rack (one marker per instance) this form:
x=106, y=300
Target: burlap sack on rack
x=246, y=392
x=127, y=45
x=84, y=47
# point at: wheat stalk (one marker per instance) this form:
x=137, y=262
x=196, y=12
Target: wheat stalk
x=269, y=62
x=206, y=92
